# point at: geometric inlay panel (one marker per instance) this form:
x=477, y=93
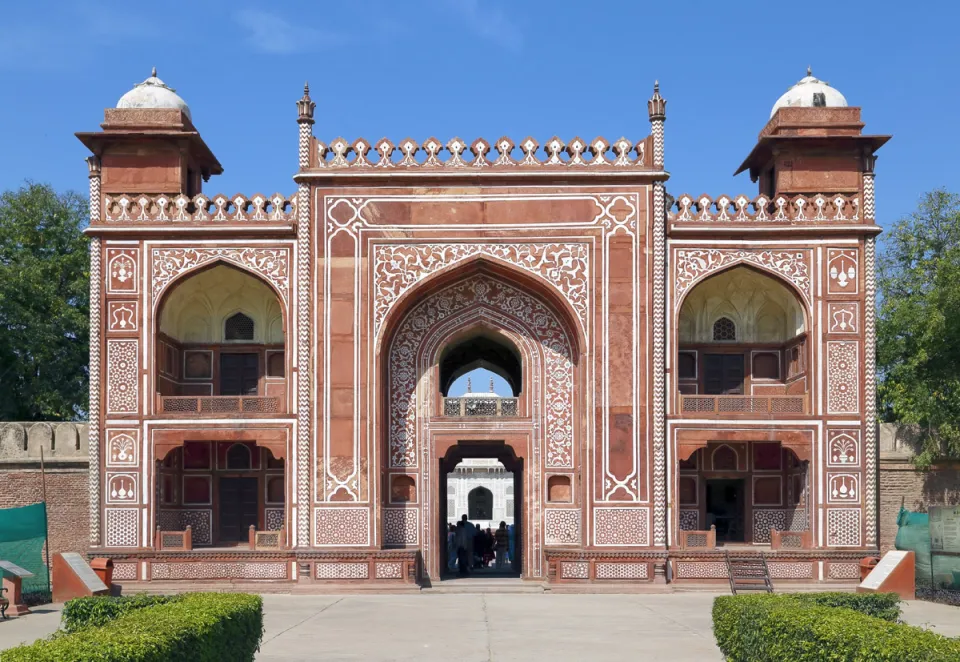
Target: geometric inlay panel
x=219, y=570
x=123, y=527
x=122, y=377
x=843, y=570
x=764, y=520
x=401, y=526
x=843, y=378
x=561, y=527
x=273, y=518
x=622, y=527
x=575, y=570
x=199, y=521
x=621, y=571
x=701, y=570
x=391, y=570
x=325, y=570
x=342, y=526
x=790, y=570
x=125, y=571
x=843, y=527
x=689, y=520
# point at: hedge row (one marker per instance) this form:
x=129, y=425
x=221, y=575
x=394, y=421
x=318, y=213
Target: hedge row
x=812, y=628
x=202, y=627
x=99, y=610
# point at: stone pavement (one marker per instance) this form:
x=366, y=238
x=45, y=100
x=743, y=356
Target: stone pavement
x=492, y=626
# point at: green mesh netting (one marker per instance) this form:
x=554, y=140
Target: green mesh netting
x=22, y=534
x=913, y=534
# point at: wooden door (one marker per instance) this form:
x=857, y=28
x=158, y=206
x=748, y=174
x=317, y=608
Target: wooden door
x=238, y=508
x=239, y=374
x=723, y=374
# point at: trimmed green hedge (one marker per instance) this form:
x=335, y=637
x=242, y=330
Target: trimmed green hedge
x=201, y=627
x=816, y=627
x=100, y=610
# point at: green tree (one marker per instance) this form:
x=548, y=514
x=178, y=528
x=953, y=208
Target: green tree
x=918, y=326
x=44, y=304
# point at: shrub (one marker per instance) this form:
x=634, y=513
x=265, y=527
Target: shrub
x=99, y=610
x=885, y=606
x=810, y=628
x=201, y=627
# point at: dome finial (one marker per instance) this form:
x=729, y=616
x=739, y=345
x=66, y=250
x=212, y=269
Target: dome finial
x=469, y=386
x=153, y=73
x=809, y=70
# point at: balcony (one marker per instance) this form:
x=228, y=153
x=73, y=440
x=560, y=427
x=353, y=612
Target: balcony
x=481, y=406
x=738, y=405
x=217, y=405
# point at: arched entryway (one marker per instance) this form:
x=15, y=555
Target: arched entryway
x=480, y=315
x=497, y=497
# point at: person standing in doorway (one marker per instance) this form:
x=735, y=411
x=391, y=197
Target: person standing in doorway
x=511, y=533
x=461, y=543
x=452, y=548
x=502, y=538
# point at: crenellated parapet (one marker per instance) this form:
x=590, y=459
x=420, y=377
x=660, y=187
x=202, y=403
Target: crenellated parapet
x=219, y=210
x=820, y=208
x=483, y=155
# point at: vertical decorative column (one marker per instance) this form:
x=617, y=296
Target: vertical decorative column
x=305, y=108
x=870, y=357
x=656, y=106
x=93, y=439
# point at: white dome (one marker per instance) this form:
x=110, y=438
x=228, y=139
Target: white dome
x=802, y=94
x=153, y=93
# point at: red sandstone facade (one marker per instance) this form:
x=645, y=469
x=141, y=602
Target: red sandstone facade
x=653, y=401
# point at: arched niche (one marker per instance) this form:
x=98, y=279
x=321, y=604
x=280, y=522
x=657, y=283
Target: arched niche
x=481, y=347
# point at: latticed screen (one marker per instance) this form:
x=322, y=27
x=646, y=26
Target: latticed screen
x=724, y=329
x=238, y=327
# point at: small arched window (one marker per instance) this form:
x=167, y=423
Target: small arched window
x=480, y=504
x=238, y=327
x=238, y=458
x=724, y=329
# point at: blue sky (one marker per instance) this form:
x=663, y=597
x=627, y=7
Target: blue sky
x=481, y=68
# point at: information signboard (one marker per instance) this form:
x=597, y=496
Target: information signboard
x=945, y=529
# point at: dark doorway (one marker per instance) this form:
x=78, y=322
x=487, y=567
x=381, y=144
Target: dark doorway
x=239, y=374
x=723, y=374
x=238, y=508
x=514, y=502
x=725, y=508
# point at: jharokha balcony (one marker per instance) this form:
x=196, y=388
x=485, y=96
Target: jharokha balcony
x=742, y=349
x=220, y=347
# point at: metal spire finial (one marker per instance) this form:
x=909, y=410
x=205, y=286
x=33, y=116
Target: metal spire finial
x=491, y=385
x=809, y=70
x=469, y=386
x=153, y=72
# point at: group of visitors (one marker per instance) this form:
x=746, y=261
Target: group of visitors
x=469, y=547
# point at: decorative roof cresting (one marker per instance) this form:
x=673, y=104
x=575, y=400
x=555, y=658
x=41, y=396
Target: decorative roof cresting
x=153, y=93
x=810, y=92
x=433, y=154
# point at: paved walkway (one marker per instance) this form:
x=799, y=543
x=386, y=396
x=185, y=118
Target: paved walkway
x=496, y=627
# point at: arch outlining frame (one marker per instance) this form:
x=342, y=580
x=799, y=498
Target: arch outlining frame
x=423, y=359
x=158, y=297
x=497, y=268
x=806, y=304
